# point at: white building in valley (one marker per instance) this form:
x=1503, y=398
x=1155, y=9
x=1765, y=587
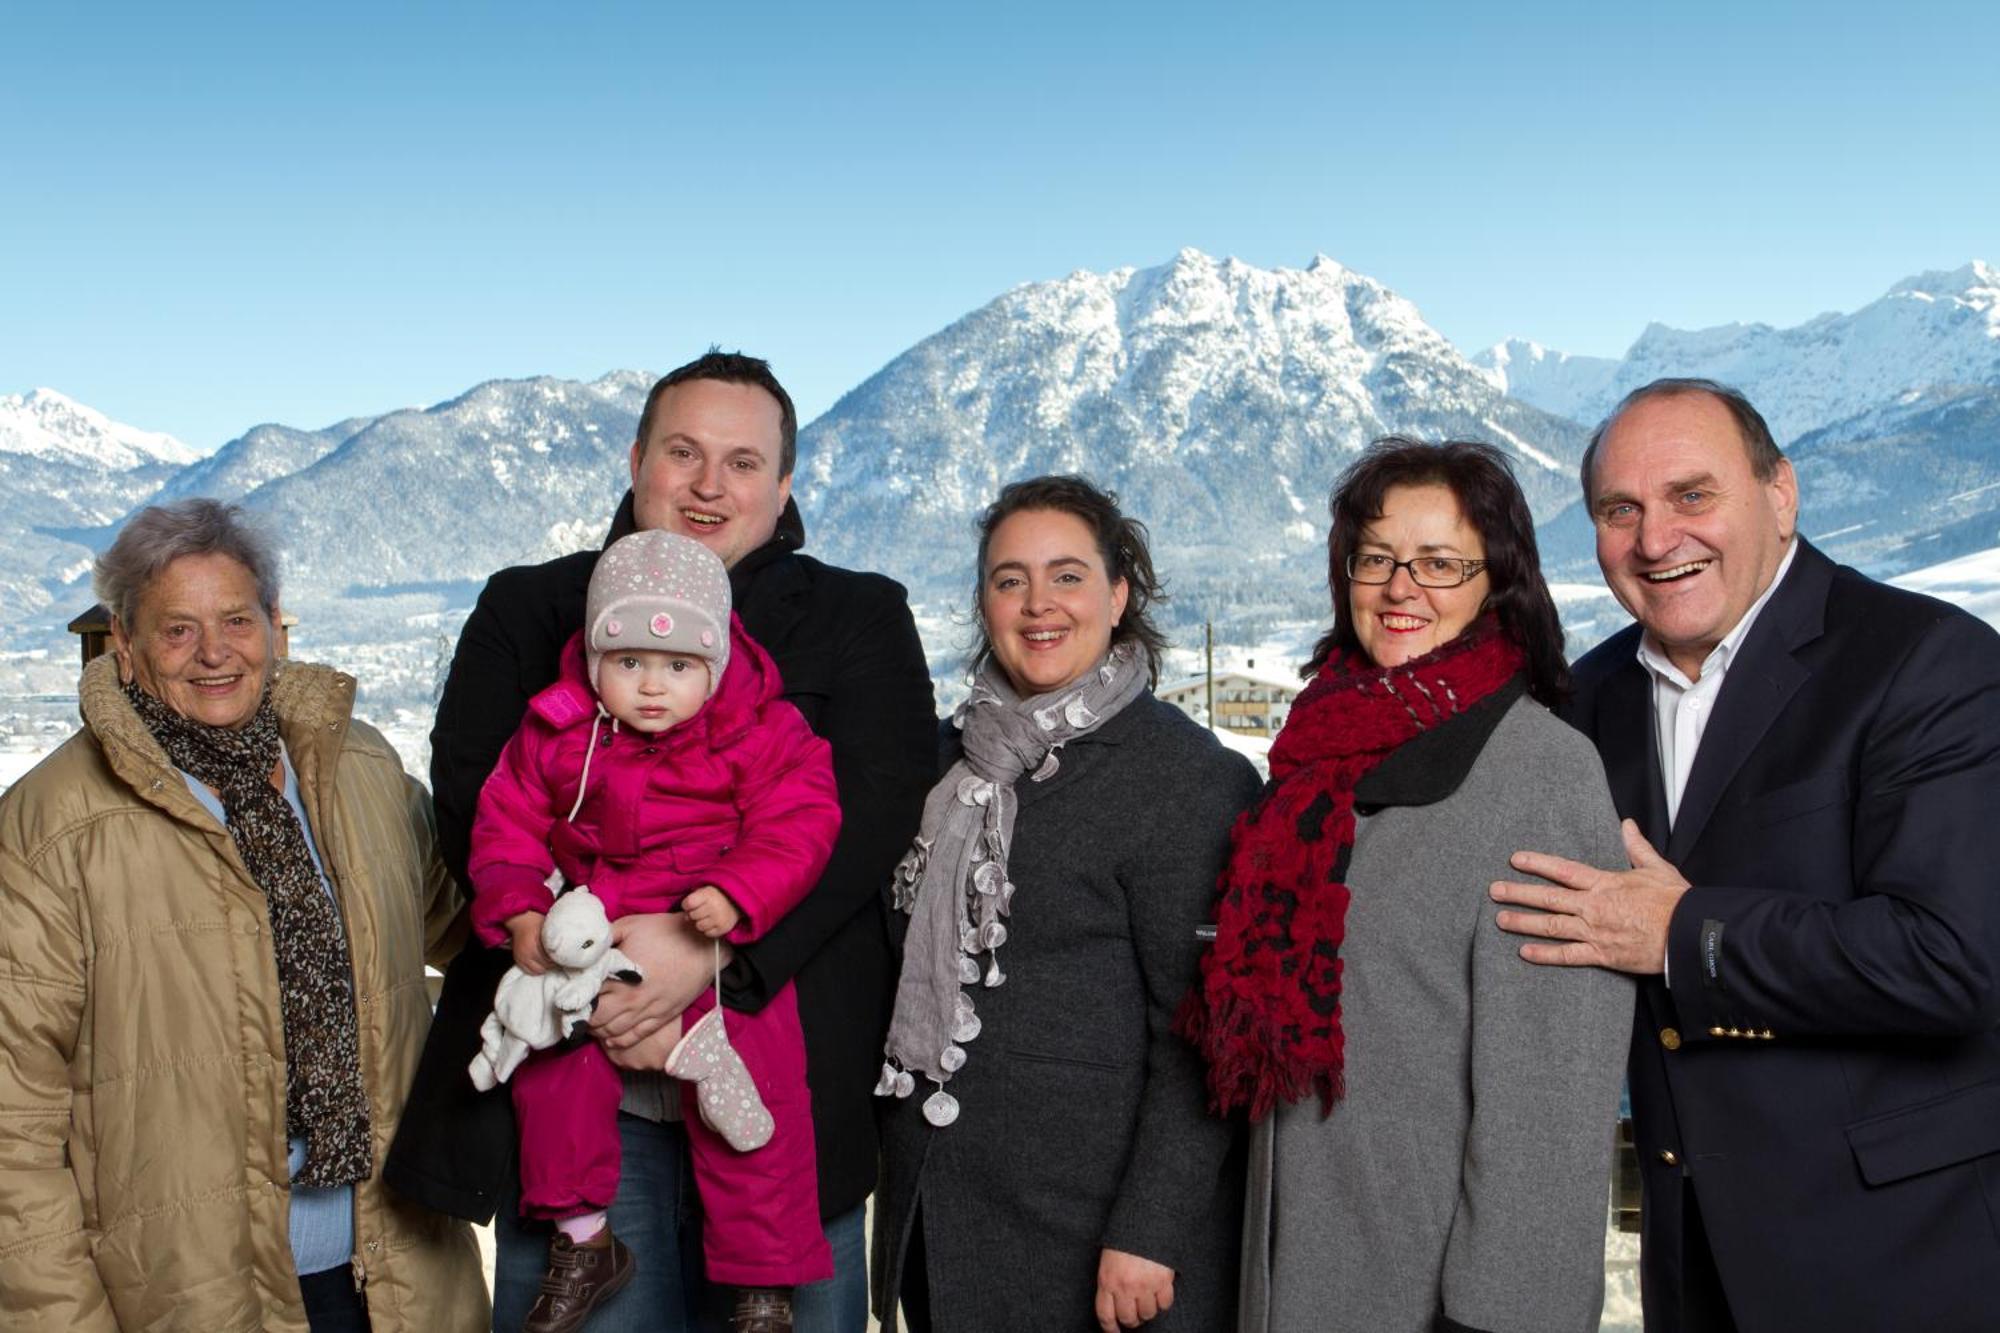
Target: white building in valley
x=1248, y=702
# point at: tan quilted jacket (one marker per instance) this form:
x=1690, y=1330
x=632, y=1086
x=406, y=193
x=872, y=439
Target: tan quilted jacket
x=142, y=1061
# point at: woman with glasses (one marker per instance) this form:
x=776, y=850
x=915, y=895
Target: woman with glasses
x=1432, y=1116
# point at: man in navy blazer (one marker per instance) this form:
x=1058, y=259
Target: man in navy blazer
x=1809, y=763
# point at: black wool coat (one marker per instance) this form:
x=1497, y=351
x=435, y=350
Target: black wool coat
x=848, y=652
x=1083, y=1118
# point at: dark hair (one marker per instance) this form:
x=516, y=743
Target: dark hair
x=731, y=368
x=1121, y=544
x=158, y=535
x=1750, y=424
x=1482, y=480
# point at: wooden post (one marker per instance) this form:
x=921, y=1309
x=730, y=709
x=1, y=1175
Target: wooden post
x=1625, y=1180
x=1208, y=651
x=94, y=629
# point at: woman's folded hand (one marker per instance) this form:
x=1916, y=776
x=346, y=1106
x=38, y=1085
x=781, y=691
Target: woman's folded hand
x=1131, y=1290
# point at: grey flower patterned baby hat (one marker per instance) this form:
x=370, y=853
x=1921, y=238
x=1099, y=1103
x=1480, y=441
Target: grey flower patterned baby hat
x=659, y=591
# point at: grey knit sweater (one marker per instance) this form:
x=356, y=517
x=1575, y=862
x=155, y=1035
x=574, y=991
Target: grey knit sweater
x=1082, y=1121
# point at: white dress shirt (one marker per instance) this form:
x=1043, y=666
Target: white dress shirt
x=1681, y=707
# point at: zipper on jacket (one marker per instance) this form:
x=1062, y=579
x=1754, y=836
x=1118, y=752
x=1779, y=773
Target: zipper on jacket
x=329, y=837
x=357, y=1263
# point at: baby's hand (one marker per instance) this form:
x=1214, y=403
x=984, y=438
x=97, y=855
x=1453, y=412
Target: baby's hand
x=529, y=956
x=711, y=911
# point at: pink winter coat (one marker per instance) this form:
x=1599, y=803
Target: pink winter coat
x=740, y=796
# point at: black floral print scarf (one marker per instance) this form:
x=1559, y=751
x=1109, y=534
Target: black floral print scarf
x=325, y=1101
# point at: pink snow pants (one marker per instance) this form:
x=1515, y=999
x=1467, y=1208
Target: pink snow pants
x=760, y=1209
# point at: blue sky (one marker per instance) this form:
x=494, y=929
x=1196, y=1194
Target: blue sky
x=212, y=216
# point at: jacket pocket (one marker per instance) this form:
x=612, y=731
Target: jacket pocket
x=1077, y=1061
x=1951, y=1129
x=1798, y=798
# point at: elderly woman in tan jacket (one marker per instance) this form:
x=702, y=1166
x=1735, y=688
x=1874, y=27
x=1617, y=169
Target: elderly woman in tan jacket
x=215, y=904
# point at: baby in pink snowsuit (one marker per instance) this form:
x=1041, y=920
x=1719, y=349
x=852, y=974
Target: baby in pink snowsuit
x=664, y=771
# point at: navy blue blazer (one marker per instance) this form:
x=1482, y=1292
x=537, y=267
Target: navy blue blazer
x=1825, y=1072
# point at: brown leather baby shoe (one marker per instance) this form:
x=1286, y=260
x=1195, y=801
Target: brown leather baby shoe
x=762, y=1310
x=581, y=1277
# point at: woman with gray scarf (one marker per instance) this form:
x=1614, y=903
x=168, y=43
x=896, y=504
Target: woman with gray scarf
x=1047, y=1160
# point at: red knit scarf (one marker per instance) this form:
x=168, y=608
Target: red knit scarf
x=1266, y=1013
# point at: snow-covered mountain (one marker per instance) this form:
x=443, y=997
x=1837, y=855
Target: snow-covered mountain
x=1891, y=414
x=1971, y=581
x=1936, y=330
x=1907, y=484
x=66, y=468
x=65, y=471
x=388, y=525
x=263, y=453
x=499, y=475
x=48, y=425
x=1219, y=399
x=1569, y=386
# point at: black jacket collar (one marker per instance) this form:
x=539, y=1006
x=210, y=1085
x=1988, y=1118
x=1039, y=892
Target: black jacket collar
x=1762, y=679
x=1433, y=764
x=789, y=537
x=1765, y=674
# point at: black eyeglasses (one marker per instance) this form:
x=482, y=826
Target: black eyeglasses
x=1427, y=571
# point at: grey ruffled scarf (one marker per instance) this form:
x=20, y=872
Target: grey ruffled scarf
x=953, y=882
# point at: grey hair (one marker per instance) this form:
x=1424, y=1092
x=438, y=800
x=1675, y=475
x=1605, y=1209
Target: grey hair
x=158, y=535
x=1758, y=443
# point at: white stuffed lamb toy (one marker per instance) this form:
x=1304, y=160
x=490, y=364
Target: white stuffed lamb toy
x=532, y=1013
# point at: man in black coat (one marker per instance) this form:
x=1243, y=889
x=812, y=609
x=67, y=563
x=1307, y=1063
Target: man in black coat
x=1809, y=762
x=712, y=460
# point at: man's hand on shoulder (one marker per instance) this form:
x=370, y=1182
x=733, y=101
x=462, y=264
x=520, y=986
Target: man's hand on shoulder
x=1588, y=917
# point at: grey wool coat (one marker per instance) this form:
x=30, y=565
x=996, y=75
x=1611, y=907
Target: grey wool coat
x=1082, y=1118
x=1463, y=1180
